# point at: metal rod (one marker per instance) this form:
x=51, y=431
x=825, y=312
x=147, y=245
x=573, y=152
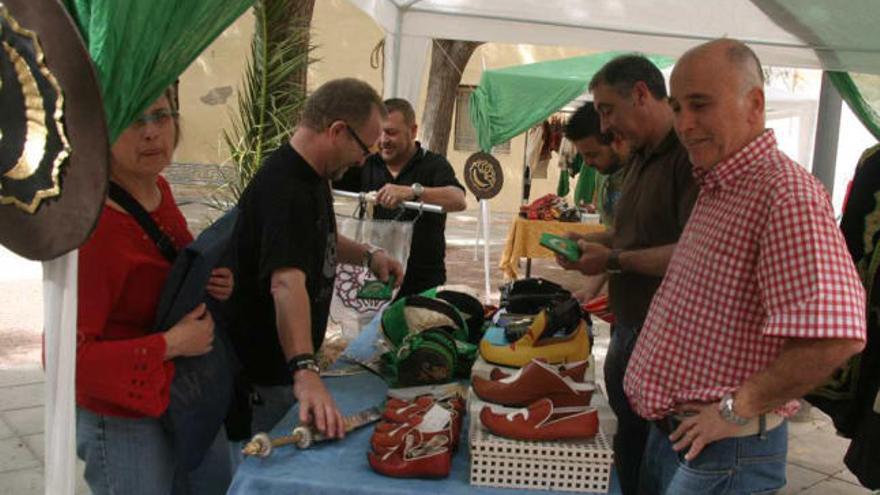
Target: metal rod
x=410, y=205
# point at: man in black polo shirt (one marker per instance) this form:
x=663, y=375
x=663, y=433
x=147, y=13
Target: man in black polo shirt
x=655, y=202
x=287, y=249
x=404, y=171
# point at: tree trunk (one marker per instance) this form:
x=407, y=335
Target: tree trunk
x=296, y=27
x=448, y=60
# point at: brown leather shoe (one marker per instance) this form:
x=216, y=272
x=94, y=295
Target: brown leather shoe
x=541, y=421
x=577, y=371
x=431, y=458
x=534, y=381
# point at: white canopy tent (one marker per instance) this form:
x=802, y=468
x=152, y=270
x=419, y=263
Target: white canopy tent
x=664, y=27
x=782, y=32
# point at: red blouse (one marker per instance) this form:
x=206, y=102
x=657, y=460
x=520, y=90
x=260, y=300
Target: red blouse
x=120, y=367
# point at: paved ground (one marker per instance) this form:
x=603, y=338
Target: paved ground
x=815, y=453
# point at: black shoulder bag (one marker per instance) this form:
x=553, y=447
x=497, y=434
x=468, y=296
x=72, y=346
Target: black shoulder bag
x=201, y=391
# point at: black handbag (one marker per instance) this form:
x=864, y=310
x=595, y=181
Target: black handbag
x=202, y=389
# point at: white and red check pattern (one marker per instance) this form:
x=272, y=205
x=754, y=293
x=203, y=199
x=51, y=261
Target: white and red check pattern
x=760, y=260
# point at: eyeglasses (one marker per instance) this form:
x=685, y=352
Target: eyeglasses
x=160, y=117
x=368, y=150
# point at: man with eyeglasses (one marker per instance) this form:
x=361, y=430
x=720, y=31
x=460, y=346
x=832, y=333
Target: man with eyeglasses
x=287, y=250
x=404, y=171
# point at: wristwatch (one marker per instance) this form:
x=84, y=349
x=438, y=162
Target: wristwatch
x=417, y=190
x=368, y=255
x=303, y=362
x=725, y=408
x=613, y=263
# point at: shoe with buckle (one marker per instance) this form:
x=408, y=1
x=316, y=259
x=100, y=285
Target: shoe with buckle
x=532, y=382
x=541, y=421
x=540, y=343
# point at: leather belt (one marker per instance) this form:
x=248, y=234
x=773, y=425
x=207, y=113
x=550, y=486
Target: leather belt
x=756, y=426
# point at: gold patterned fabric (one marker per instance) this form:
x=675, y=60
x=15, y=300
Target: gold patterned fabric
x=523, y=237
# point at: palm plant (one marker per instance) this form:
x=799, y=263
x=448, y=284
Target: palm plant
x=272, y=95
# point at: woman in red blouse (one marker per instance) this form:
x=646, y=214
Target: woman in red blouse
x=123, y=371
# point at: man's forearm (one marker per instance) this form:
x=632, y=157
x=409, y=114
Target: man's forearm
x=450, y=198
x=603, y=238
x=350, y=251
x=802, y=365
x=648, y=261
x=292, y=313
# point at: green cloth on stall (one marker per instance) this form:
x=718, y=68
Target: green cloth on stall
x=562, y=188
x=140, y=47
x=510, y=100
x=586, y=183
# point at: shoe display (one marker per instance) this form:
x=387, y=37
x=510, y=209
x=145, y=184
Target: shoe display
x=416, y=438
x=534, y=381
x=541, y=421
x=541, y=341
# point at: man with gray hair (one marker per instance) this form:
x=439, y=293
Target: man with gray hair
x=287, y=249
x=760, y=303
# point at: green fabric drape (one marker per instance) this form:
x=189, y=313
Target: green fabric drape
x=510, y=100
x=586, y=183
x=862, y=93
x=562, y=187
x=140, y=47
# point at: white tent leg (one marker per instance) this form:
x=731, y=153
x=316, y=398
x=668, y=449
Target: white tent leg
x=477, y=236
x=59, y=315
x=484, y=208
x=827, y=134
x=405, y=59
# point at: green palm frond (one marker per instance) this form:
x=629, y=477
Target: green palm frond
x=271, y=96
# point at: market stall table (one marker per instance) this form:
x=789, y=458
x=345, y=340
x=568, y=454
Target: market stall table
x=522, y=241
x=341, y=467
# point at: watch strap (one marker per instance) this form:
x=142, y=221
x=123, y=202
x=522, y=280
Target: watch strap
x=613, y=263
x=306, y=361
x=725, y=409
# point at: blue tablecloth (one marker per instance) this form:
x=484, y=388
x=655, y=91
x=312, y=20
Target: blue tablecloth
x=341, y=467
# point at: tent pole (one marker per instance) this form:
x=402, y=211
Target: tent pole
x=484, y=208
x=59, y=315
x=827, y=134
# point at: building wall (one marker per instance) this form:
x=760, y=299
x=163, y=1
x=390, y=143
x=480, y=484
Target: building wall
x=345, y=38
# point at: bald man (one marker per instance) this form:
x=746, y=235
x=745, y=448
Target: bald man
x=760, y=303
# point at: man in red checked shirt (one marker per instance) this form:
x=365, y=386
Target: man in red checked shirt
x=760, y=303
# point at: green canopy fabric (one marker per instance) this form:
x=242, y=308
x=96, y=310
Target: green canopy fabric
x=140, y=47
x=510, y=100
x=862, y=93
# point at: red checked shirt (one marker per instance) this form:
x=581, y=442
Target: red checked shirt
x=761, y=260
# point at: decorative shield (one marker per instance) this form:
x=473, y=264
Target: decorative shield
x=483, y=175
x=53, y=135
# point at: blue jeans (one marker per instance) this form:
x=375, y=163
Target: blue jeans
x=632, y=430
x=135, y=456
x=737, y=466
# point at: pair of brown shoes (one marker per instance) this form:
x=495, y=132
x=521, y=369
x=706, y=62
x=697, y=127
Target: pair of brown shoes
x=557, y=400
